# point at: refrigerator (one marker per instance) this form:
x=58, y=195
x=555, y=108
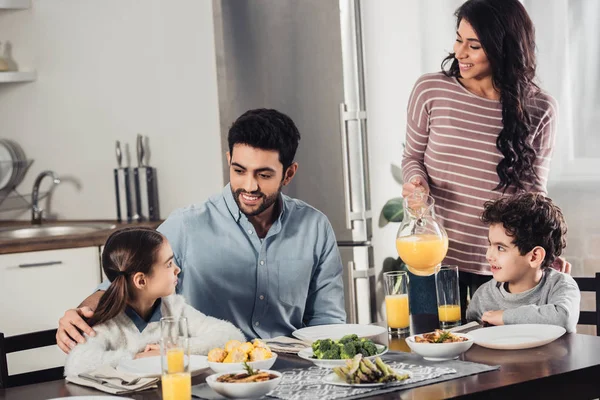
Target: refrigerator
x=305, y=58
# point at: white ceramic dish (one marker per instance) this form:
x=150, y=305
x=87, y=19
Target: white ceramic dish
x=333, y=379
x=440, y=351
x=513, y=337
x=150, y=366
x=7, y=169
x=307, y=354
x=230, y=367
x=337, y=331
x=249, y=390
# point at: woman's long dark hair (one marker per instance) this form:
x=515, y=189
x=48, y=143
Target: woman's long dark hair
x=126, y=252
x=507, y=36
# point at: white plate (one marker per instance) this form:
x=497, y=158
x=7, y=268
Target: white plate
x=512, y=337
x=6, y=164
x=150, y=366
x=307, y=354
x=333, y=379
x=337, y=331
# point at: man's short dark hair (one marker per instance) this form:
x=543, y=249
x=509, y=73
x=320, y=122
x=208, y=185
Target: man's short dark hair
x=266, y=129
x=531, y=219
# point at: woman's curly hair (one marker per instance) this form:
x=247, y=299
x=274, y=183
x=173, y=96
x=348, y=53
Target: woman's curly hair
x=531, y=219
x=507, y=36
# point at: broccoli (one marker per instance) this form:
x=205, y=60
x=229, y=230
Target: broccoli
x=331, y=354
x=348, y=350
x=368, y=348
x=320, y=347
x=349, y=338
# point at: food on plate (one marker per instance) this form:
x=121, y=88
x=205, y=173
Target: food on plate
x=362, y=370
x=237, y=352
x=251, y=375
x=439, y=336
x=345, y=348
x=217, y=355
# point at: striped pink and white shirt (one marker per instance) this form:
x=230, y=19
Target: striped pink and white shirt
x=451, y=142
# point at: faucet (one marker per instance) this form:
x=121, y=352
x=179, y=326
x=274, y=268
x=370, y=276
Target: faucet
x=36, y=211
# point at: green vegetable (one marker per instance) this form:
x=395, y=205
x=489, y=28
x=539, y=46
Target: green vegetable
x=360, y=370
x=345, y=348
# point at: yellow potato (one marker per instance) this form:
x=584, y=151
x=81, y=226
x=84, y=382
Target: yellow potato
x=232, y=344
x=217, y=355
x=260, y=353
x=246, y=347
x=237, y=355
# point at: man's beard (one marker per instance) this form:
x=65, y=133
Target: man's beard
x=267, y=202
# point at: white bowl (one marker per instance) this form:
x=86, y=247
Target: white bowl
x=230, y=367
x=307, y=354
x=440, y=351
x=243, y=390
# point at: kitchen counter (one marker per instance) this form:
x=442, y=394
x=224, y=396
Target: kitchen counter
x=97, y=238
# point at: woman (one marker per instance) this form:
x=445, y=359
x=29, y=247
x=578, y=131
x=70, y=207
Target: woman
x=479, y=129
x=139, y=263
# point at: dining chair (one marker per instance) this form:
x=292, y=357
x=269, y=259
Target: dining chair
x=26, y=341
x=590, y=284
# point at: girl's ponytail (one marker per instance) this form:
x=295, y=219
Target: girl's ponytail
x=112, y=302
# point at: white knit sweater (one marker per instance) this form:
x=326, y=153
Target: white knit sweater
x=120, y=338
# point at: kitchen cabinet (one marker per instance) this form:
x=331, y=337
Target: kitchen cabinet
x=35, y=290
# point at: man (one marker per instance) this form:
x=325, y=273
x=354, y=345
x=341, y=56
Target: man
x=251, y=255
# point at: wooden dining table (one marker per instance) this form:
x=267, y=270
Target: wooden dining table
x=567, y=368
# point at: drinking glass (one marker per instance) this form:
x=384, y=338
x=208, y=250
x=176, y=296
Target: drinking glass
x=174, y=359
x=448, y=295
x=396, y=302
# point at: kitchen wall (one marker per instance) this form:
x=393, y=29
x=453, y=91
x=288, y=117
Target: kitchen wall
x=108, y=70
x=406, y=39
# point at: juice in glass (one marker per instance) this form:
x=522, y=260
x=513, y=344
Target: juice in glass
x=396, y=308
x=449, y=313
x=177, y=386
x=175, y=361
x=423, y=252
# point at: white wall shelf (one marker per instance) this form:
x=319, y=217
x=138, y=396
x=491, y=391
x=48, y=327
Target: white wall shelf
x=20, y=76
x=15, y=4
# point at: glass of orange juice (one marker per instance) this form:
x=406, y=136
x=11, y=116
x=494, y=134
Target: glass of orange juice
x=174, y=351
x=448, y=295
x=396, y=302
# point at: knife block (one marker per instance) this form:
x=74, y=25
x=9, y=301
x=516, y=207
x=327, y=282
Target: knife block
x=146, y=193
x=125, y=195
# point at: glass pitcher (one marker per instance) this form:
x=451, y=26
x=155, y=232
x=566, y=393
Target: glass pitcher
x=422, y=242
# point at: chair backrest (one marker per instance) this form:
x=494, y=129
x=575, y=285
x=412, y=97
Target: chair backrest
x=590, y=284
x=27, y=341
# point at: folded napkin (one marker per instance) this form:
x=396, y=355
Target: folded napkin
x=284, y=344
x=109, y=380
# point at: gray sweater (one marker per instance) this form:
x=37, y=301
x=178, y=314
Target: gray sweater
x=123, y=337
x=555, y=301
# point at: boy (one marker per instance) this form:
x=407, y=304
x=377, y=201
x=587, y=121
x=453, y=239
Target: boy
x=526, y=233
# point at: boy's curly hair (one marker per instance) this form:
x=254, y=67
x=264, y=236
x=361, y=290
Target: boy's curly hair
x=532, y=220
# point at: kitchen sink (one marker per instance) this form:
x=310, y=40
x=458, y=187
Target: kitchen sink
x=39, y=231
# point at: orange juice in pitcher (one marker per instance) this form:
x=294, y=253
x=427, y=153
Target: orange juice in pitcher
x=422, y=242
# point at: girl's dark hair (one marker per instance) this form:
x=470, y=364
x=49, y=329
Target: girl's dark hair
x=531, y=219
x=126, y=252
x=507, y=36
x=266, y=129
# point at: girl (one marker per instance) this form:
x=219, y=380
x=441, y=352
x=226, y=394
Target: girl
x=479, y=129
x=139, y=264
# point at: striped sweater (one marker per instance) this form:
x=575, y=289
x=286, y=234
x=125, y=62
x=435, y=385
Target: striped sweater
x=451, y=142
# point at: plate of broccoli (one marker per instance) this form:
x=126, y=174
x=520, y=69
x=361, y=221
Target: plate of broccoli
x=329, y=353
